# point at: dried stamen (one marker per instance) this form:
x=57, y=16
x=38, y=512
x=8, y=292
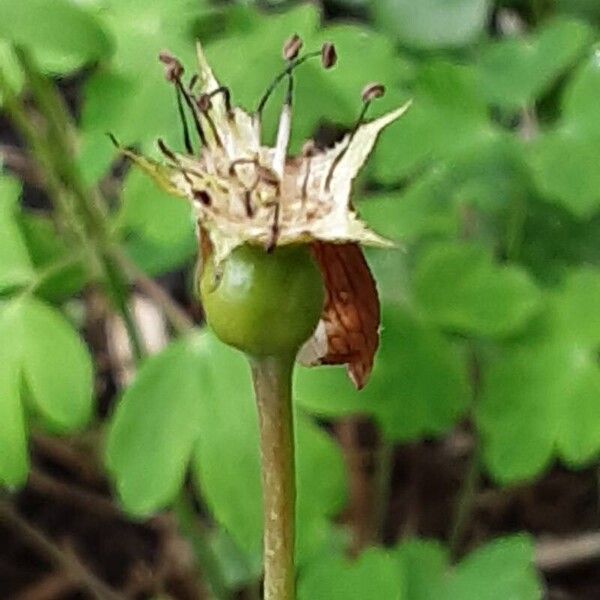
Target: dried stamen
x=308, y=151
x=173, y=158
x=369, y=93
x=293, y=64
x=328, y=55
x=173, y=73
x=292, y=47
x=205, y=103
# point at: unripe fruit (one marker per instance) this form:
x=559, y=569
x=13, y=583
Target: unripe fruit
x=265, y=304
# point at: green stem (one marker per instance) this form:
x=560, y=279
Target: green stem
x=85, y=217
x=381, y=488
x=272, y=378
x=464, y=505
x=192, y=529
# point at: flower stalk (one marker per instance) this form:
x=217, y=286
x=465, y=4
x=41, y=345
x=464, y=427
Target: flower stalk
x=272, y=378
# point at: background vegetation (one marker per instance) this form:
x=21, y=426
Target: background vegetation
x=479, y=432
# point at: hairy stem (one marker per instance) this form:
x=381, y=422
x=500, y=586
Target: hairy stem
x=272, y=378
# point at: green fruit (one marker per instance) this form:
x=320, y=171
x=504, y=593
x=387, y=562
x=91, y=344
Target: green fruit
x=265, y=304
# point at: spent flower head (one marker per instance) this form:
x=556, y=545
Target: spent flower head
x=245, y=192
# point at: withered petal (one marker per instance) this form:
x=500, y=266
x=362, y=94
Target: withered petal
x=349, y=325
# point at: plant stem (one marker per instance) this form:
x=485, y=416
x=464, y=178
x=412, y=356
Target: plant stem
x=208, y=563
x=272, y=377
x=381, y=489
x=464, y=504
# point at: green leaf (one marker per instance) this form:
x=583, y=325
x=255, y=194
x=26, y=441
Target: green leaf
x=587, y=9
x=540, y=396
x=155, y=427
x=516, y=71
x=565, y=159
x=499, y=570
x=194, y=402
x=14, y=460
x=448, y=116
x=227, y=466
x=152, y=213
x=131, y=98
x=56, y=367
x=10, y=67
x=429, y=24
x=424, y=564
x=372, y=576
x=459, y=287
x=156, y=258
x=44, y=367
x=418, y=385
x=63, y=35
x=48, y=249
x=15, y=265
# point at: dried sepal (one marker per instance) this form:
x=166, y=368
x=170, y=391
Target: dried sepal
x=348, y=332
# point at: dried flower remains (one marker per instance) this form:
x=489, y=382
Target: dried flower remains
x=244, y=192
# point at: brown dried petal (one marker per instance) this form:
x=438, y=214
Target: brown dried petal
x=351, y=314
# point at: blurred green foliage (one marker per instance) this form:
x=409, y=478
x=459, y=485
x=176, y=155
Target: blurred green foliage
x=491, y=186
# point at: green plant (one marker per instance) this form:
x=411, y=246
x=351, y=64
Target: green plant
x=489, y=311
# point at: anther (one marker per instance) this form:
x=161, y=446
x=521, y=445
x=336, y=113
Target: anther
x=292, y=47
x=204, y=102
x=173, y=68
x=370, y=92
x=173, y=72
x=328, y=55
x=293, y=64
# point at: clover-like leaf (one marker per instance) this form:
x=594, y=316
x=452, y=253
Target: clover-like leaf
x=516, y=71
x=430, y=24
x=499, y=570
x=565, y=159
x=62, y=33
x=193, y=404
x=15, y=264
x=48, y=250
x=372, y=576
x=540, y=396
x=141, y=31
x=46, y=371
x=155, y=426
x=458, y=287
x=418, y=385
x=149, y=211
x=448, y=116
